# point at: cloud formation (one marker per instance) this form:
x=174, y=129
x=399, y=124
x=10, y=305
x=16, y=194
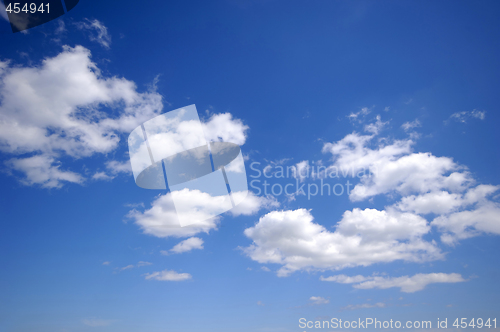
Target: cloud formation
x=168, y=275
x=363, y=237
x=406, y=284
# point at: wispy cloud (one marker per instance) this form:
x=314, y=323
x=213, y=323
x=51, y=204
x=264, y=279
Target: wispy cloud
x=406, y=284
x=168, y=275
x=464, y=116
x=317, y=300
x=98, y=31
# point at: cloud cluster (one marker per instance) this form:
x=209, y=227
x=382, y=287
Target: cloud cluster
x=361, y=238
x=427, y=184
x=65, y=107
x=429, y=191
x=406, y=284
x=161, y=220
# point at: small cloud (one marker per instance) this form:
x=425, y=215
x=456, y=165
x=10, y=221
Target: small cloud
x=142, y=263
x=318, y=300
x=260, y=303
x=98, y=32
x=410, y=125
x=185, y=246
x=464, y=116
x=106, y=263
x=102, y=176
x=249, y=269
x=449, y=305
x=168, y=275
x=134, y=205
x=265, y=268
x=387, y=109
x=127, y=267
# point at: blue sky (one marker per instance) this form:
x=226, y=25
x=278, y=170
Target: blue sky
x=405, y=90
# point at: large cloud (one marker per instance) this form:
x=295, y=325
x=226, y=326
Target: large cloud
x=362, y=237
x=65, y=106
x=161, y=220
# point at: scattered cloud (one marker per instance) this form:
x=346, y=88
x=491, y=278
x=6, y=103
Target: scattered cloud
x=317, y=300
x=406, y=284
x=44, y=117
x=411, y=125
x=260, y=303
x=464, y=116
x=265, y=268
x=168, y=275
x=97, y=31
x=185, y=246
x=131, y=266
x=106, y=263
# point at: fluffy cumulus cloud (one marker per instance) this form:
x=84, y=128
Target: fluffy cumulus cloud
x=424, y=192
x=162, y=219
x=361, y=238
x=406, y=284
x=168, y=275
x=428, y=185
x=65, y=107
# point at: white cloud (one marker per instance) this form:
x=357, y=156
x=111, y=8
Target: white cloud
x=376, y=127
x=411, y=125
x=265, y=268
x=253, y=204
x=43, y=170
x=362, y=237
x=355, y=116
x=106, y=263
x=168, y=275
x=223, y=126
x=392, y=167
x=464, y=116
x=161, y=219
x=94, y=322
x=187, y=245
x=142, y=263
x=465, y=224
x=98, y=32
x=131, y=266
x=318, y=300
x=43, y=112
x=45, y=115
x=119, y=167
x=406, y=284
x=364, y=306
x=102, y=176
